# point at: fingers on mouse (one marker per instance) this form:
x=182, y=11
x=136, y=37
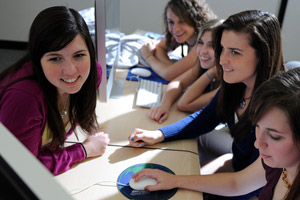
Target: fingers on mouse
x=142, y=183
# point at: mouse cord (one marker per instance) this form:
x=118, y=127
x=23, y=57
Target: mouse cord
x=147, y=147
x=101, y=183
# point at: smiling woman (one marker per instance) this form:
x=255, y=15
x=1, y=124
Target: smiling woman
x=244, y=66
x=197, y=86
x=68, y=69
x=50, y=91
x=183, y=20
x=276, y=116
x=238, y=59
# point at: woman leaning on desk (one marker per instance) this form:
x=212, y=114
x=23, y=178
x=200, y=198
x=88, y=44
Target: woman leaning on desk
x=275, y=114
x=52, y=90
x=196, y=87
x=182, y=19
x=248, y=52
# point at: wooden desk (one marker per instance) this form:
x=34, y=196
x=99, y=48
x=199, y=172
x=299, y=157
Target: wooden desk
x=119, y=117
x=109, y=166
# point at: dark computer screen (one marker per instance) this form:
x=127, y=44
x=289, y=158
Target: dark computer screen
x=12, y=186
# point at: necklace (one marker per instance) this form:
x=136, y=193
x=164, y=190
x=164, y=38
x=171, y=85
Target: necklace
x=243, y=102
x=64, y=112
x=284, y=179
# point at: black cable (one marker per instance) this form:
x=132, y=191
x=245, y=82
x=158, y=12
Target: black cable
x=281, y=12
x=152, y=148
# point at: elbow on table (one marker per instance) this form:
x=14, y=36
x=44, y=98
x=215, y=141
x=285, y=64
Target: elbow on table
x=182, y=106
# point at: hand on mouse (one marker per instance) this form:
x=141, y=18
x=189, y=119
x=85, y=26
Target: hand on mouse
x=165, y=181
x=142, y=183
x=96, y=144
x=142, y=137
x=159, y=113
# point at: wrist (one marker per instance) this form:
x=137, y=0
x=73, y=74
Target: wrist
x=177, y=182
x=160, y=136
x=166, y=105
x=210, y=77
x=84, y=150
x=148, y=56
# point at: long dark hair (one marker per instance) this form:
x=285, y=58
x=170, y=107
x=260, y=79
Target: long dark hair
x=265, y=37
x=192, y=12
x=52, y=30
x=283, y=92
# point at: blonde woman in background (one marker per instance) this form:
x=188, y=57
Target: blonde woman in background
x=196, y=87
x=183, y=20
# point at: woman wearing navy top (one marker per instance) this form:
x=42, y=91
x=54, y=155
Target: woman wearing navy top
x=248, y=52
x=274, y=111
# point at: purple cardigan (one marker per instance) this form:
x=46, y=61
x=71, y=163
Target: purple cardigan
x=23, y=111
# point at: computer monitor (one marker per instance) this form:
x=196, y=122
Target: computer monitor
x=107, y=21
x=23, y=176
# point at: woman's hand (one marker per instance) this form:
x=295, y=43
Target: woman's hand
x=142, y=137
x=159, y=113
x=147, y=51
x=165, y=181
x=95, y=145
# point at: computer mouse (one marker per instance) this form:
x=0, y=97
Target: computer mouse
x=142, y=183
x=141, y=72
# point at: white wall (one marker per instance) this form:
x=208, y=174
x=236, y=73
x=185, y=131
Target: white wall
x=291, y=24
x=228, y=7
x=148, y=15
x=145, y=15
x=291, y=31
x=16, y=16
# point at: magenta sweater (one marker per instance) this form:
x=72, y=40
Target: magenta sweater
x=23, y=111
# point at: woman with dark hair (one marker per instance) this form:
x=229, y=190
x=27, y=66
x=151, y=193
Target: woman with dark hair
x=275, y=114
x=183, y=20
x=248, y=52
x=46, y=94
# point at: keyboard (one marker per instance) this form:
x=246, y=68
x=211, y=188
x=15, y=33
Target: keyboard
x=148, y=93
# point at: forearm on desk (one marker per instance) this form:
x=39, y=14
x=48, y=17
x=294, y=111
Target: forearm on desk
x=195, y=97
x=172, y=93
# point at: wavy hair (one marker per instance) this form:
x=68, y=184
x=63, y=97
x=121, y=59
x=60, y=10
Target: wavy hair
x=192, y=12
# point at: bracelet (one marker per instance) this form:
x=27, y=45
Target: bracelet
x=148, y=57
x=211, y=78
x=84, y=150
